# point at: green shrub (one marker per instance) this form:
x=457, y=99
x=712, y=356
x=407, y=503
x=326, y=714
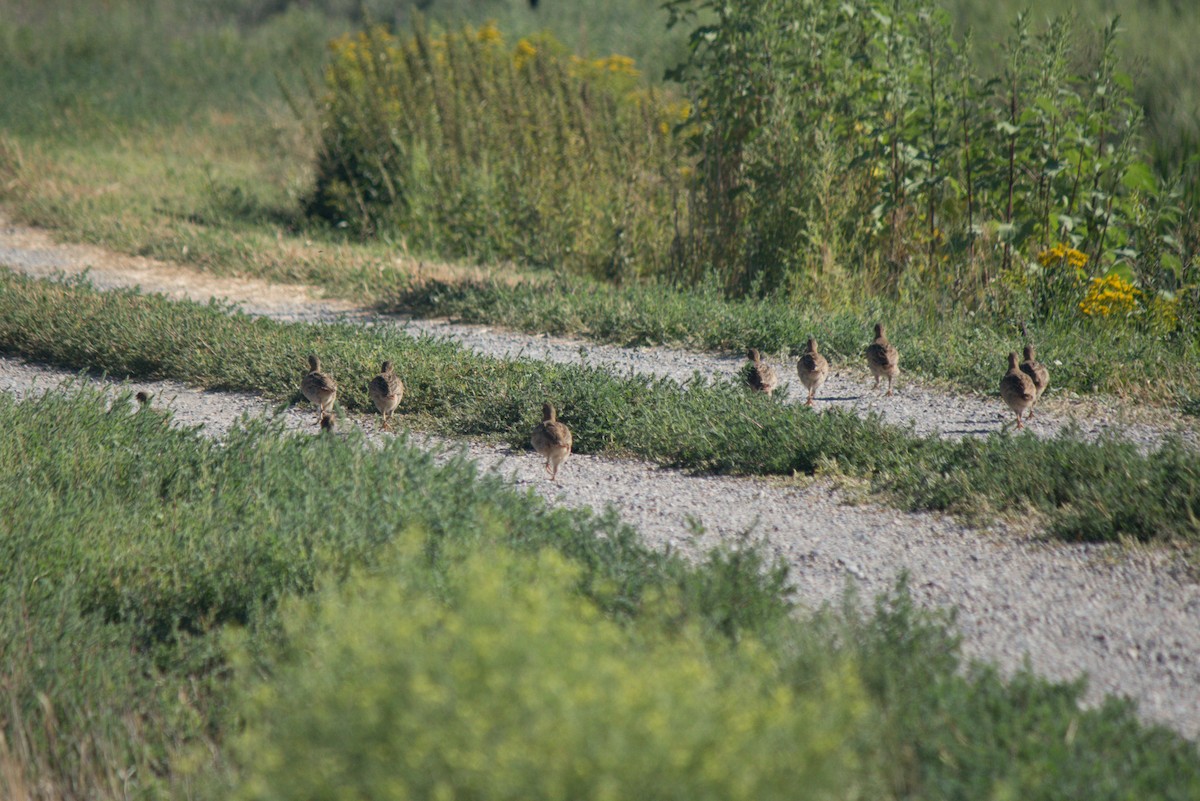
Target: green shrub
x=860, y=137
x=458, y=144
x=509, y=686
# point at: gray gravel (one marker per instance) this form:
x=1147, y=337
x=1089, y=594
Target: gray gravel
x=929, y=410
x=1129, y=619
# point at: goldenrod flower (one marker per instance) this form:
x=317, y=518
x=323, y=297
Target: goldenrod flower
x=1109, y=295
x=1062, y=253
x=525, y=53
x=489, y=33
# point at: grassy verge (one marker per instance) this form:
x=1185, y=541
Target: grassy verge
x=178, y=649
x=1096, y=491
x=966, y=350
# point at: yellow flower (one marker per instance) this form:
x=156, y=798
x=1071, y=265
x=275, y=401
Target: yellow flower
x=1109, y=295
x=489, y=33
x=616, y=63
x=1061, y=253
x=524, y=54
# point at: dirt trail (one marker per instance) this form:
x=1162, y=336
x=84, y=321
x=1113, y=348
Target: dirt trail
x=930, y=411
x=1128, y=618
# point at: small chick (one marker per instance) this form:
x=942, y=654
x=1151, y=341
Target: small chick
x=813, y=370
x=762, y=377
x=328, y=422
x=1017, y=389
x=386, y=391
x=883, y=358
x=318, y=387
x=552, y=440
x=1037, y=373
x=143, y=398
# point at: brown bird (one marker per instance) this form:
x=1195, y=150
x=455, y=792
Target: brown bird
x=813, y=370
x=318, y=387
x=883, y=358
x=1037, y=373
x=143, y=398
x=552, y=440
x=386, y=391
x=327, y=422
x=1017, y=389
x=761, y=377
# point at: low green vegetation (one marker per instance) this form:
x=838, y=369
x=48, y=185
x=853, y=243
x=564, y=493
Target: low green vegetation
x=1083, y=488
x=261, y=616
x=966, y=350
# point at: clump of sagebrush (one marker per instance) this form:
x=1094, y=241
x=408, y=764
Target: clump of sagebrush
x=460, y=144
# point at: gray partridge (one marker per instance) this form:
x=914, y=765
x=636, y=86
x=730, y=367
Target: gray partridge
x=1017, y=389
x=318, y=387
x=813, y=370
x=552, y=440
x=762, y=376
x=386, y=391
x=883, y=358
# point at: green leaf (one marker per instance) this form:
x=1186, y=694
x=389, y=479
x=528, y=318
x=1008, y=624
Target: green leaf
x=1139, y=178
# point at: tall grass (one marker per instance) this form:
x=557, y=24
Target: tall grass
x=464, y=145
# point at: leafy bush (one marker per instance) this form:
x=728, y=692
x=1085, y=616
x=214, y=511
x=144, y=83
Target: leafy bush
x=815, y=116
x=458, y=144
x=507, y=685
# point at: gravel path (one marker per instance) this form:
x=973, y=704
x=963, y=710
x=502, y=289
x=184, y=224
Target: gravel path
x=929, y=410
x=1130, y=619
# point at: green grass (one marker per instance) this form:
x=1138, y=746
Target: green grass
x=179, y=650
x=1093, y=491
x=966, y=350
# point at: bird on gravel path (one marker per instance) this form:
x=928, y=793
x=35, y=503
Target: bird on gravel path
x=552, y=440
x=318, y=387
x=883, y=358
x=813, y=370
x=1017, y=389
x=762, y=376
x=386, y=391
x=1037, y=373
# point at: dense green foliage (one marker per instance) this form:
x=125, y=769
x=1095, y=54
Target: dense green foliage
x=463, y=145
x=500, y=682
x=126, y=544
x=446, y=602
x=864, y=138
x=826, y=146
x=715, y=427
